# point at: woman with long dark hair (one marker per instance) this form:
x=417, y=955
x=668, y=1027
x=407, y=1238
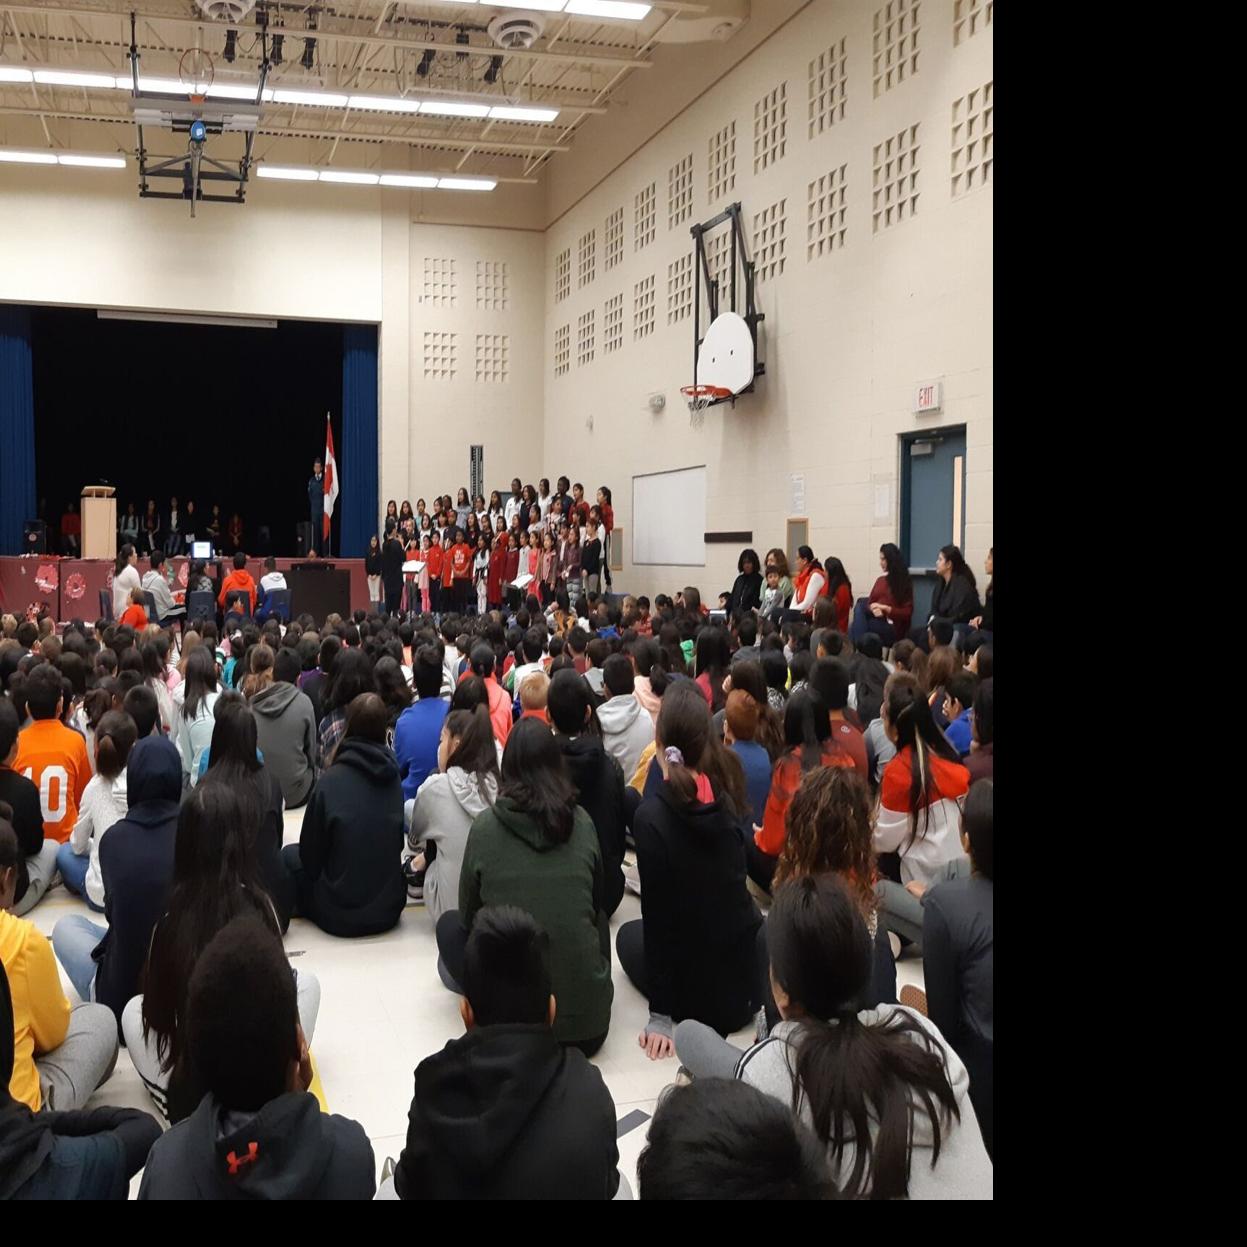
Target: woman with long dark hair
x=215, y=878
x=536, y=849
x=839, y=592
x=956, y=595
x=888, y=610
x=125, y=579
x=350, y=675
x=234, y=760
x=746, y=592
x=880, y=1087
x=983, y=625
x=405, y=513
x=809, y=584
x=712, y=655
x=693, y=951
x=919, y=817
x=194, y=702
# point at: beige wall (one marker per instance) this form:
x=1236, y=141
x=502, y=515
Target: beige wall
x=847, y=336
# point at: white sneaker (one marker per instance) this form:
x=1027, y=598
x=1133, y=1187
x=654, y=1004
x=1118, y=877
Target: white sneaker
x=632, y=879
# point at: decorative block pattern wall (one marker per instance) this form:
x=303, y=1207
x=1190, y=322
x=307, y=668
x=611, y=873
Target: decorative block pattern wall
x=828, y=88
x=562, y=350
x=492, y=350
x=441, y=352
x=584, y=338
x=680, y=192
x=770, y=228
x=612, y=324
x=896, y=179
x=645, y=226
x=563, y=275
x=643, y=308
x=587, y=257
x=770, y=128
x=969, y=17
x=895, y=44
x=614, y=238
x=825, y=229
x=972, y=146
x=721, y=163
x=491, y=285
x=439, y=282
x=680, y=288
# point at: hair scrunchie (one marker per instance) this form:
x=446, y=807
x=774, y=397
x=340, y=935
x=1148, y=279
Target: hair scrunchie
x=673, y=755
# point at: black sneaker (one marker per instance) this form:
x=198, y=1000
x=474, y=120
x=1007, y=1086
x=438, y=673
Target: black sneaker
x=415, y=883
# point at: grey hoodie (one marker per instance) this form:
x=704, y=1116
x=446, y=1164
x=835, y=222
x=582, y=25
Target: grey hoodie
x=442, y=813
x=963, y=1170
x=286, y=733
x=627, y=730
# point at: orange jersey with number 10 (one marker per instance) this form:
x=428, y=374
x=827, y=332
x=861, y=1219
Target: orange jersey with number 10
x=54, y=758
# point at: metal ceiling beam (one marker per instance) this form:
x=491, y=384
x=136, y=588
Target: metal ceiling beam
x=577, y=55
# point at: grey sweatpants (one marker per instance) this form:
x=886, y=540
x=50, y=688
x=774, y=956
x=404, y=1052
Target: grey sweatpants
x=69, y=1075
x=41, y=870
x=704, y=1052
x=901, y=911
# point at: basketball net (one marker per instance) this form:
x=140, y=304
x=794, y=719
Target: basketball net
x=699, y=397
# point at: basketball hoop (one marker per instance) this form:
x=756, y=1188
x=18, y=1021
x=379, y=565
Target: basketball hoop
x=699, y=397
x=198, y=75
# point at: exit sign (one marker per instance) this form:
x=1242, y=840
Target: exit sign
x=929, y=396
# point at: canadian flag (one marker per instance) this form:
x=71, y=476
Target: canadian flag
x=331, y=475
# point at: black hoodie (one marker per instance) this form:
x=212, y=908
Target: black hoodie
x=700, y=922
x=600, y=783
x=288, y=1150
x=352, y=840
x=506, y=1112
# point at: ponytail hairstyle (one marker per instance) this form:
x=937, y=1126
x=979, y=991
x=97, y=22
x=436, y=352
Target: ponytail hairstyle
x=748, y=677
x=475, y=752
x=114, y=738
x=829, y=828
x=900, y=584
x=99, y=701
x=836, y=576
x=811, y=562
x=807, y=725
x=535, y=779
x=123, y=558
x=907, y=711
x=261, y=671
x=960, y=566
x=856, y=1079
x=943, y=664
x=908, y=657
x=685, y=736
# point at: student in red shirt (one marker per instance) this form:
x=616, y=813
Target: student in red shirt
x=840, y=591
x=448, y=570
x=134, y=616
x=830, y=680
x=435, y=570
x=461, y=556
x=580, y=508
x=52, y=756
x=607, y=512
x=890, y=607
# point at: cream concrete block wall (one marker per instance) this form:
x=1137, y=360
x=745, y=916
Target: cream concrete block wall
x=452, y=303
x=847, y=336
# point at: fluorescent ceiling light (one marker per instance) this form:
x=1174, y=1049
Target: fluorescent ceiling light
x=507, y=112
x=286, y=173
x=546, y=6
x=237, y=91
x=623, y=9
x=451, y=108
x=14, y=73
x=167, y=86
x=385, y=103
x=94, y=162
x=418, y=180
x=466, y=184
x=10, y=156
x=322, y=99
x=72, y=78
x=346, y=175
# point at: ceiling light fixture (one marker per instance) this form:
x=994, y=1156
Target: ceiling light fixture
x=365, y=177
x=284, y=173
x=451, y=108
x=12, y=157
x=349, y=177
x=82, y=160
x=508, y=112
x=92, y=162
x=544, y=6
x=384, y=104
x=426, y=63
x=622, y=9
x=15, y=73
x=466, y=184
x=325, y=99
x=420, y=181
x=72, y=78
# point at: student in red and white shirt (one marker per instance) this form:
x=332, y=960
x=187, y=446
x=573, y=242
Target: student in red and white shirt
x=920, y=802
x=52, y=756
x=460, y=579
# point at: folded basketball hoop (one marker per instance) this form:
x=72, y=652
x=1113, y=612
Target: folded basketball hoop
x=699, y=397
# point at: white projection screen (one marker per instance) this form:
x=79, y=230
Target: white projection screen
x=669, y=518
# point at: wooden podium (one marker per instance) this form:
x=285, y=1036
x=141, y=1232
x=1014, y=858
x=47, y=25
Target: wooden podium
x=99, y=522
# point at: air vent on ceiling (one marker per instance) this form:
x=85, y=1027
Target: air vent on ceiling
x=226, y=10
x=717, y=20
x=516, y=30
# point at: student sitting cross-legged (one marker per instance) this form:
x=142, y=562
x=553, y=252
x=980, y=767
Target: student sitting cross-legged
x=257, y=1133
x=506, y=1111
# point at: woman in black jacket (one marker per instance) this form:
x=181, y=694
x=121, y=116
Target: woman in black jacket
x=693, y=952
x=983, y=625
x=346, y=866
x=233, y=760
x=747, y=591
x=956, y=595
x=392, y=558
x=597, y=777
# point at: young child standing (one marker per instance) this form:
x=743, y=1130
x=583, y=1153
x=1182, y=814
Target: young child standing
x=480, y=570
x=435, y=570
x=448, y=569
x=461, y=558
x=591, y=558
x=423, y=579
x=549, y=569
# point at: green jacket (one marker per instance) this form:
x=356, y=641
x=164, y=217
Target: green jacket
x=509, y=861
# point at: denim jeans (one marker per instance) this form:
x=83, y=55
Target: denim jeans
x=74, y=873
x=73, y=940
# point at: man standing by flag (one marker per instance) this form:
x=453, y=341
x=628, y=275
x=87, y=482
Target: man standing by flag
x=316, y=505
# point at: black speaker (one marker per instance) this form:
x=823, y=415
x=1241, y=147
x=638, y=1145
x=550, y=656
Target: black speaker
x=35, y=537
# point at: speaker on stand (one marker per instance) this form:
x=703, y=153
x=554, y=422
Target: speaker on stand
x=35, y=537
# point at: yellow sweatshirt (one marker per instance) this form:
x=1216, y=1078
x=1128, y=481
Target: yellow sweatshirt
x=40, y=1007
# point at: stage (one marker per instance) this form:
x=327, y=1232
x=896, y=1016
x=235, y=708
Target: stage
x=70, y=588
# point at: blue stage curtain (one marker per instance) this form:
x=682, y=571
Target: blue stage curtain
x=358, y=464
x=17, y=429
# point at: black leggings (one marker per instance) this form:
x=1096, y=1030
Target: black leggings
x=452, y=944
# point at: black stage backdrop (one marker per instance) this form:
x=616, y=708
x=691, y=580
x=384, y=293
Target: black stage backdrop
x=206, y=413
